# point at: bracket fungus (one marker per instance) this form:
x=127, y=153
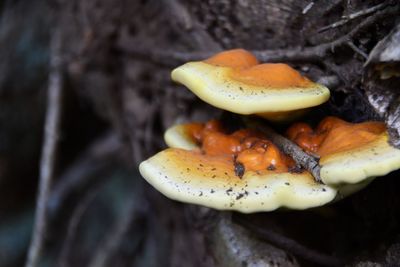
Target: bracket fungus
x=238, y=171
x=349, y=152
x=235, y=81
x=244, y=170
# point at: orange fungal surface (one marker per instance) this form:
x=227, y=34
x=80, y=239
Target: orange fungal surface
x=276, y=75
x=246, y=69
x=334, y=135
x=245, y=147
x=253, y=152
x=236, y=58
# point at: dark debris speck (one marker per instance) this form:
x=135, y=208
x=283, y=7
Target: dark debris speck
x=239, y=196
x=229, y=191
x=239, y=169
x=271, y=167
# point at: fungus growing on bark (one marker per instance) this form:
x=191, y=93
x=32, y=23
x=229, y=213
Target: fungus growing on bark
x=349, y=153
x=235, y=81
x=246, y=172
x=239, y=171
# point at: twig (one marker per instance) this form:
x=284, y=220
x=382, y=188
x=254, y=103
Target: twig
x=288, y=244
x=318, y=53
x=72, y=226
x=357, y=50
x=314, y=53
x=303, y=159
x=352, y=16
x=89, y=168
x=113, y=239
x=307, y=7
x=49, y=151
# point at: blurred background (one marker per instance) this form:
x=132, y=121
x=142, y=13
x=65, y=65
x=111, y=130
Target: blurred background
x=96, y=75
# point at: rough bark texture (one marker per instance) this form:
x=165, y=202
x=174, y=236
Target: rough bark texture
x=123, y=55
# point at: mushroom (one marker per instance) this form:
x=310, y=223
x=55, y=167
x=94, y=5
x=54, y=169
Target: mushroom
x=349, y=153
x=235, y=81
x=238, y=171
x=242, y=170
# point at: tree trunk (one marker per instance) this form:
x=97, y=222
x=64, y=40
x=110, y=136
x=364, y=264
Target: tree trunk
x=120, y=56
x=117, y=58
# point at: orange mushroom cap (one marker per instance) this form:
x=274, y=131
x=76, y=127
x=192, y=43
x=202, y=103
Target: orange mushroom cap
x=234, y=80
x=211, y=181
x=242, y=172
x=350, y=152
x=236, y=58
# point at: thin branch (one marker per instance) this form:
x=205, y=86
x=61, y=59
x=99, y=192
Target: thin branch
x=307, y=7
x=114, y=238
x=357, y=50
x=314, y=53
x=90, y=168
x=290, y=245
x=303, y=159
x=346, y=19
x=319, y=52
x=73, y=225
x=49, y=151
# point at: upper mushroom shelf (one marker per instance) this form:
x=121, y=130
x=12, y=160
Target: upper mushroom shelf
x=235, y=81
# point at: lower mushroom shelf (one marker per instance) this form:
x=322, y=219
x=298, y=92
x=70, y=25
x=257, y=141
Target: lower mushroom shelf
x=187, y=173
x=195, y=178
